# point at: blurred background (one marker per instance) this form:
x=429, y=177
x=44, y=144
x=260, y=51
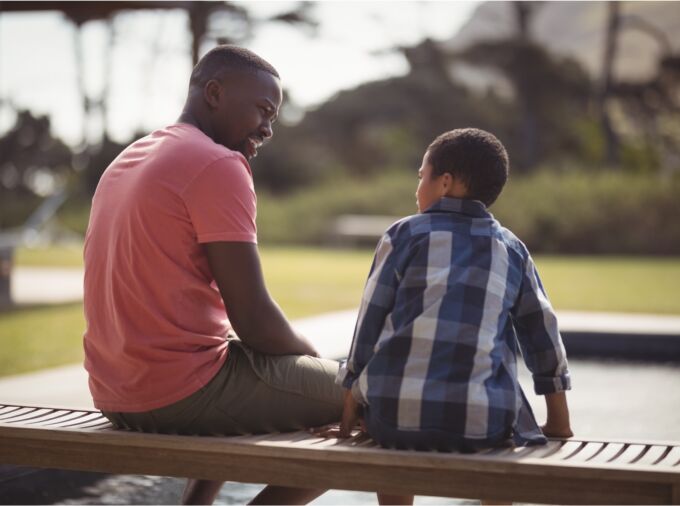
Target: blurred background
x=584, y=95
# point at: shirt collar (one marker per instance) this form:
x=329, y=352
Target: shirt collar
x=473, y=208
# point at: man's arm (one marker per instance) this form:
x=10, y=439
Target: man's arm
x=253, y=314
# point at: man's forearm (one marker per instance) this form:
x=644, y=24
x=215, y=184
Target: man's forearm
x=271, y=333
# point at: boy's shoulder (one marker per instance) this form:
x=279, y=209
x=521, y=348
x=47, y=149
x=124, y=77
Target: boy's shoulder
x=512, y=241
x=409, y=226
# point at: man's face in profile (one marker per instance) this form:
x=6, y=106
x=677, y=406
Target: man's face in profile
x=247, y=106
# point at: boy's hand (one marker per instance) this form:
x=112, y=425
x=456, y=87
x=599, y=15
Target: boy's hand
x=349, y=421
x=560, y=432
x=558, y=424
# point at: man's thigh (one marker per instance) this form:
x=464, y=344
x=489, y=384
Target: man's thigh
x=252, y=393
x=265, y=393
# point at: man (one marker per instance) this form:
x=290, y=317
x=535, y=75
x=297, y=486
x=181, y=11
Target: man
x=172, y=271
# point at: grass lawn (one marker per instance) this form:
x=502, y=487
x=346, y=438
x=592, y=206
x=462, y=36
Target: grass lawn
x=307, y=281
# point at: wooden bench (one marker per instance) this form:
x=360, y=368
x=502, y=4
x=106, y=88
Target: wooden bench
x=564, y=471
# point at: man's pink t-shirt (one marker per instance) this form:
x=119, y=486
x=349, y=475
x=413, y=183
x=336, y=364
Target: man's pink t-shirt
x=156, y=324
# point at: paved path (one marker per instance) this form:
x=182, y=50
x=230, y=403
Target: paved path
x=39, y=285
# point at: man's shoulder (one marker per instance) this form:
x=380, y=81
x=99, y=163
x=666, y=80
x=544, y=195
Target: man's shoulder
x=189, y=144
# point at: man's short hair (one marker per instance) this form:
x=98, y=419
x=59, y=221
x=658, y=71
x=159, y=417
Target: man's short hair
x=221, y=60
x=475, y=157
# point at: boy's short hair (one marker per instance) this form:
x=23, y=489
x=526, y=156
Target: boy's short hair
x=475, y=157
x=217, y=62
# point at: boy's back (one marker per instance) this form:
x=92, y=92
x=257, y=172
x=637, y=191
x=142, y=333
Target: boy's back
x=451, y=298
x=435, y=339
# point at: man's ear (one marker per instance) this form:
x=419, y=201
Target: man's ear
x=212, y=92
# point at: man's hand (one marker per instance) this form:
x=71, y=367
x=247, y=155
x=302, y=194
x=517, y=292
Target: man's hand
x=255, y=317
x=350, y=421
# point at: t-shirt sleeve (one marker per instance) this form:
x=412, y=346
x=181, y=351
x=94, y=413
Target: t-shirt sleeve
x=221, y=202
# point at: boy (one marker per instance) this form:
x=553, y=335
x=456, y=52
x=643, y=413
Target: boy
x=450, y=295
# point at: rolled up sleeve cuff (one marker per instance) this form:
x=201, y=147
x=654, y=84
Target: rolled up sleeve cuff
x=549, y=385
x=345, y=378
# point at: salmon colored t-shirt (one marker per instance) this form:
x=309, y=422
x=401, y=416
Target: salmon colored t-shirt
x=156, y=324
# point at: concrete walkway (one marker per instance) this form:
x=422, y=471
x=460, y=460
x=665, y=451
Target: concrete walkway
x=651, y=337
x=43, y=285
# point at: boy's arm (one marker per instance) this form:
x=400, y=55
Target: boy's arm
x=376, y=303
x=538, y=335
x=557, y=424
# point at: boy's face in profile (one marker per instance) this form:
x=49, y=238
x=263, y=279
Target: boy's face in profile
x=430, y=190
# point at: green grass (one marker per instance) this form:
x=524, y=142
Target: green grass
x=617, y=284
x=39, y=337
x=307, y=281
x=70, y=255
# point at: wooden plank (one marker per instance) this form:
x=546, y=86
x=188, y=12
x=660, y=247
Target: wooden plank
x=286, y=468
x=179, y=446
x=610, y=452
x=630, y=454
x=673, y=457
x=13, y=414
x=8, y=409
x=589, y=451
x=27, y=417
x=51, y=417
x=88, y=417
x=69, y=417
x=655, y=453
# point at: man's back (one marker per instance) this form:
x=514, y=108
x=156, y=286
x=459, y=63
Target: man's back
x=155, y=321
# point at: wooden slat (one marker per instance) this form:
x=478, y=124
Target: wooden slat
x=578, y=471
x=655, y=453
x=50, y=417
x=68, y=417
x=629, y=455
x=88, y=417
x=673, y=458
x=27, y=417
x=350, y=468
x=8, y=409
x=610, y=452
x=13, y=414
x=588, y=452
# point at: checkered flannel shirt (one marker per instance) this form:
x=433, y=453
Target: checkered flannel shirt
x=450, y=300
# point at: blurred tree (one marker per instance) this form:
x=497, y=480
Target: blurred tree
x=33, y=164
x=378, y=125
x=607, y=80
x=551, y=95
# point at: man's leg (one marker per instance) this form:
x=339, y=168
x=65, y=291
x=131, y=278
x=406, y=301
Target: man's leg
x=266, y=393
x=201, y=491
x=384, y=498
x=273, y=494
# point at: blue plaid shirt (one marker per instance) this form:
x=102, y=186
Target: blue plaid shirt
x=450, y=298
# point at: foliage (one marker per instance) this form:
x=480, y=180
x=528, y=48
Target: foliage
x=567, y=211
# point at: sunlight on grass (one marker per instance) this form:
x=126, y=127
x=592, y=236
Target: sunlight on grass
x=40, y=337
x=307, y=281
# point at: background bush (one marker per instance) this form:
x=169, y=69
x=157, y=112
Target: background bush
x=551, y=211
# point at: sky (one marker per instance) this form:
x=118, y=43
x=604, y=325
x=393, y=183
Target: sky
x=149, y=63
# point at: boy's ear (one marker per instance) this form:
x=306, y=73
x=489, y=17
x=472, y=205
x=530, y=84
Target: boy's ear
x=446, y=183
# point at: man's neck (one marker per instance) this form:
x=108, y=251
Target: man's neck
x=193, y=119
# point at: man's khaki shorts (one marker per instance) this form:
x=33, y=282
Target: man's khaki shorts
x=252, y=393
